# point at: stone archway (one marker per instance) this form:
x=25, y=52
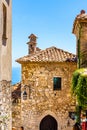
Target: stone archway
x=48, y=123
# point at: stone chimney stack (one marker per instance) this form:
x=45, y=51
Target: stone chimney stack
x=32, y=44
x=80, y=30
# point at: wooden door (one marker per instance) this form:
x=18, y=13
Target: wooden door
x=48, y=123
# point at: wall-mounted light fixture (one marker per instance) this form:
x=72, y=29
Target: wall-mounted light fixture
x=25, y=93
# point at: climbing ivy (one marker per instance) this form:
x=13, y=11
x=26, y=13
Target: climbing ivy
x=79, y=90
x=79, y=86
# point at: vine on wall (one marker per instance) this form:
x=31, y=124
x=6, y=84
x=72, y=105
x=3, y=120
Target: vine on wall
x=79, y=86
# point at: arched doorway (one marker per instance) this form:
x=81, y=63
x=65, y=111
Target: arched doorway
x=48, y=123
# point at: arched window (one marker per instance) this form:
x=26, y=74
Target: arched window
x=4, y=38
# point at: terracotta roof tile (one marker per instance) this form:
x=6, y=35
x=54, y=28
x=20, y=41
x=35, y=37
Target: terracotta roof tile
x=16, y=93
x=51, y=54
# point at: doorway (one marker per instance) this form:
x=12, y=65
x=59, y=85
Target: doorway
x=48, y=123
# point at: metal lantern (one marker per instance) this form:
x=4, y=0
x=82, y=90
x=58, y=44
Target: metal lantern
x=24, y=95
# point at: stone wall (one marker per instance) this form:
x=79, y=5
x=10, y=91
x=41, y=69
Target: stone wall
x=16, y=115
x=16, y=106
x=5, y=65
x=83, y=45
x=6, y=49
x=42, y=100
x=5, y=105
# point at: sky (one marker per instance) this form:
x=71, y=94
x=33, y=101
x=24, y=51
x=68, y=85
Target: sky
x=50, y=20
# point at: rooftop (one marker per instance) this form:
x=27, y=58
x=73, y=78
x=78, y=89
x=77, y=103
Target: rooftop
x=82, y=17
x=51, y=54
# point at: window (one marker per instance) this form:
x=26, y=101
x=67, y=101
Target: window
x=57, y=83
x=4, y=25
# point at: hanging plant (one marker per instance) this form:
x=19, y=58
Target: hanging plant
x=82, y=91
x=79, y=90
x=79, y=86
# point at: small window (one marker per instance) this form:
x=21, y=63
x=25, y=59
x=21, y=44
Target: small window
x=57, y=83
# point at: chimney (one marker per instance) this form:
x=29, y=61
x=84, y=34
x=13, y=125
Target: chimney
x=32, y=44
x=82, y=12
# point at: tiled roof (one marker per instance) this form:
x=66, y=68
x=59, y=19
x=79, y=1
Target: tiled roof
x=16, y=93
x=51, y=54
x=82, y=17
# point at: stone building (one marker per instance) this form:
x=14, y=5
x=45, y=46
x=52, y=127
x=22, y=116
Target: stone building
x=5, y=64
x=42, y=100
x=80, y=30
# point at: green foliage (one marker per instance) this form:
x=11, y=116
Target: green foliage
x=82, y=91
x=79, y=90
x=74, y=82
x=78, y=113
x=79, y=86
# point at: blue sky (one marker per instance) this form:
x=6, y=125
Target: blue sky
x=50, y=20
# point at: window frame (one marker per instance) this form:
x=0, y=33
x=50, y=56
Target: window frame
x=57, y=87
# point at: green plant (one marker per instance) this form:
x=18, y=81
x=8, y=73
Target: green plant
x=79, y=90
x=79, y=86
